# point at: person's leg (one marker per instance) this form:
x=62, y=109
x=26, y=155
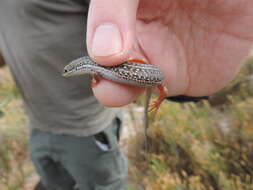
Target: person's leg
x=53, y=175
x=90, y=163
x=96, y=162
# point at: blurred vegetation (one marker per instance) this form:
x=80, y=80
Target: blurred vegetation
x=14, y=164
x=203, y=146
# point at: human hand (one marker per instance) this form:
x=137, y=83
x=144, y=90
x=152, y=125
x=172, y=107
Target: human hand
x=198, y=44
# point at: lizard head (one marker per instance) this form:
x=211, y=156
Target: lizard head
x=79, y=66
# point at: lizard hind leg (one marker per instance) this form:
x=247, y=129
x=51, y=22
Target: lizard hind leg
x=95, y=80
x=163, y=94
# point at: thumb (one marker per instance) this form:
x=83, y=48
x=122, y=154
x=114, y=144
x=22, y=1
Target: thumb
x=111, y=30
x=110, y=37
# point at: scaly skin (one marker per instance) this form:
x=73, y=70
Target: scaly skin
x=132, y=72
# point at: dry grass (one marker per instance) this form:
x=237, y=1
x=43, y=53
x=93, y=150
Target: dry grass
x=15, y=167
x=204, y=146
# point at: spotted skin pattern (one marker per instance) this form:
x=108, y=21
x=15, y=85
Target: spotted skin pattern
x=132, y=72
x=128, y=72
x=147, y=75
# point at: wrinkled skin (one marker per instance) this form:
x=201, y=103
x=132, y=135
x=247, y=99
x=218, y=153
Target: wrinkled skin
x=198, y=44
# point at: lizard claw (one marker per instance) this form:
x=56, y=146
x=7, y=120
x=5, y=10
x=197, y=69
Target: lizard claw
x=156, y=104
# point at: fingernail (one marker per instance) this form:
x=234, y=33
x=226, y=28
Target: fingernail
x=107, y=40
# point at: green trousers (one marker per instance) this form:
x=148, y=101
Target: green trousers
x=83, y=163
